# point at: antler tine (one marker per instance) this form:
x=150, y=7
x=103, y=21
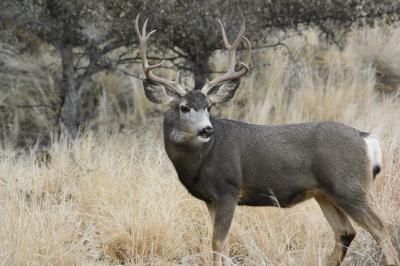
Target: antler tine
x=137, y=26
x=226, y=42
x=231, y=74
x=237, y=40
x=144, y=28
x=143, y=37
x=248, y=56
x=231, y=49
x=241, y=32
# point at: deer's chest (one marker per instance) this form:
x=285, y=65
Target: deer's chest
x=207, y=182
x=189, y=171
x=204, y=175
x=196, y=187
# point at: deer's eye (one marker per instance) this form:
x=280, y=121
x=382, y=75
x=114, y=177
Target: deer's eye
x=185, y=109
x=209, y=108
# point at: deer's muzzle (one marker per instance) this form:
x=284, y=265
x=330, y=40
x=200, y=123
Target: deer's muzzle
x=206, y=132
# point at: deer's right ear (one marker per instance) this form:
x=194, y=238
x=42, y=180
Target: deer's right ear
x=158, y=93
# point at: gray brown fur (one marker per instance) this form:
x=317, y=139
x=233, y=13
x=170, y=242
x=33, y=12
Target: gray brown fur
x=270, y=165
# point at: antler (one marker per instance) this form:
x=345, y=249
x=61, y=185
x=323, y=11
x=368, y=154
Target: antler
x=231, y=74
x=143, y=37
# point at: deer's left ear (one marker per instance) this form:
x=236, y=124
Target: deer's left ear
x=158, y=93
x=223, y=92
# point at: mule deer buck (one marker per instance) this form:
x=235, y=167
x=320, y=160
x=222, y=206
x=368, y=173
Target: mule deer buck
x=227, y=163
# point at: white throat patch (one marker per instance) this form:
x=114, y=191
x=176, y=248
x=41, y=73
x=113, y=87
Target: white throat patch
x=202, y=139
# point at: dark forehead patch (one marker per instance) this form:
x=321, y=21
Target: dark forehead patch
x=196, y=99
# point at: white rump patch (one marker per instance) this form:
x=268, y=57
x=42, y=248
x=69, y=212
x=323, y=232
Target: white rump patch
x=374, y=150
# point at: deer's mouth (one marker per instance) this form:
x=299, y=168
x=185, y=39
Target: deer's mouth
x=205, y=134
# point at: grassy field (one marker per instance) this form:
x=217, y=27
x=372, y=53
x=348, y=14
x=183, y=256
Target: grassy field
x=112, y=199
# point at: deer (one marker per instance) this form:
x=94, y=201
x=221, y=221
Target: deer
x=228, y=163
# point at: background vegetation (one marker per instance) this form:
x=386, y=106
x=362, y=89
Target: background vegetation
x=107, y=194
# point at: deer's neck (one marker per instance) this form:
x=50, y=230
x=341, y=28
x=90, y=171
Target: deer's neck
x=186, y=153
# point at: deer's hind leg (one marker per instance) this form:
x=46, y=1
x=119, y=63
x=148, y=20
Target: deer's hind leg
x=342, y=229
x=360, y=211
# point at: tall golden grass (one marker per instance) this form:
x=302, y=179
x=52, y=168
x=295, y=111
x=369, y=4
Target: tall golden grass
x=112, y=199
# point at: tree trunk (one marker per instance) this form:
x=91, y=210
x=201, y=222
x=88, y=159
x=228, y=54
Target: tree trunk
x=70, y=99
x=201, y=68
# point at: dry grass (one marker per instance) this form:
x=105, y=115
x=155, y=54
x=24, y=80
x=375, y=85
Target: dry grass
x=116, y=199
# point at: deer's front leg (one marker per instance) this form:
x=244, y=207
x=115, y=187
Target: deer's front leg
x=221, y=212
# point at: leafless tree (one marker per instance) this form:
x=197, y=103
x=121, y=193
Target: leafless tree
x=84, y=33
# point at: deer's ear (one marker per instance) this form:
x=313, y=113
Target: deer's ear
x=159, y=93
x=223, y=92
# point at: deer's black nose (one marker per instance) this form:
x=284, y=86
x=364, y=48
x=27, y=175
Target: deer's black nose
x=206, y=132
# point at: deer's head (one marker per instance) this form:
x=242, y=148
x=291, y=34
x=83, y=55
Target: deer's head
x=193, y=106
